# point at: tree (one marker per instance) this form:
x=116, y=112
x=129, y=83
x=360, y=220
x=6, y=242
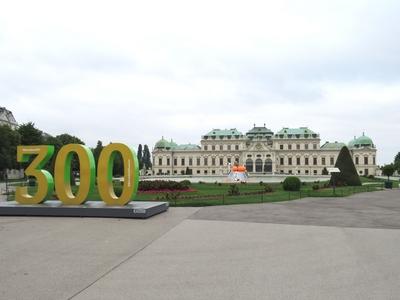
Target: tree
x=147, y=158
x=348, y=174
x=30, y=135
x=397, y=162
x=140, y=156
x=325, y=171
x=9, y=140
x=388, y=170
x=96, y=152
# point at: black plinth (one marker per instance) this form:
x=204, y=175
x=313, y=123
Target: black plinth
x=55, y=208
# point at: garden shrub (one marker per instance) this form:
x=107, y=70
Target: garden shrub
x=291, y=183
x=233, y=190
x=268, y=188
x=348, y=174
x=315, y=187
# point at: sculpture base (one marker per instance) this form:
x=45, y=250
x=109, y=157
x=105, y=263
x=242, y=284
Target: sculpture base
x=55, y=208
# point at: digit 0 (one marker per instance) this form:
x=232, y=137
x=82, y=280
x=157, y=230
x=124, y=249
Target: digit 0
x=45, y=182
x=104, y=174
x=62, y=174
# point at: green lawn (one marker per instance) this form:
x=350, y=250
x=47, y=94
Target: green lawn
x=207, y=194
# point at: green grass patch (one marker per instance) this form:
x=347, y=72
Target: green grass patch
x=207, y=194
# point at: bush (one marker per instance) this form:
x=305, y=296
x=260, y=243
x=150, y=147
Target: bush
x=325, y=171
x=261, y=183
x=371, y=176
x=315, y=187
x=156, y=185
x=348, y=174
x=291, y=183
x=233, y=190
x=268, y=188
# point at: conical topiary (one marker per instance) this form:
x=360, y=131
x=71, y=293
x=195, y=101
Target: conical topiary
x=348, y=174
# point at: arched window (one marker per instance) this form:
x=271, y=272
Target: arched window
x=249, y=165
x=259, y=165
x=268, y=166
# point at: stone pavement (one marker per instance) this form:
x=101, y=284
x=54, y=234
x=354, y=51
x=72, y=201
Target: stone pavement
x=342, y=248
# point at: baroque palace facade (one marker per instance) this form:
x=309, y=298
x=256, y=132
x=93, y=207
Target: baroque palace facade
x=289, y=151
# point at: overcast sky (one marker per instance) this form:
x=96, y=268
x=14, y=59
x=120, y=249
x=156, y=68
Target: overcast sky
x=133, y=71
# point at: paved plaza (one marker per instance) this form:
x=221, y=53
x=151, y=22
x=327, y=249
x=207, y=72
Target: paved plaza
x=312, y=248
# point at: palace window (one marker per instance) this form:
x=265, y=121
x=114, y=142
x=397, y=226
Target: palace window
x=221, y=147
x=182, y=162
x=315, y=172
x=205, y=147
x=213, y=172
x=282, y=161
x=229, y=147
x=314, y=161
x=365, y=160
x=332, y=161
x=205, y=172
x=236, y=147
x=229, y=160
x=205, y=161
x=298, y=161
x=213, y=161
x=289, y=161
x=307, y=172
x=298, y=146
x=168, y=161
x=357, y=160
x=175, y=161
x=281, y=147
x=314, y=146
x=198, y=172
x=190, y=161
x=213, y=147
x=290, y=147
x=323, y=161
x=198, y=161
x=160, y=161
x=306, y=160
x=373, y=160
x=306, y=146
x=221, y=161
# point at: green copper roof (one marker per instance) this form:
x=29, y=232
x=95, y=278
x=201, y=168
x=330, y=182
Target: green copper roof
x=302, y=132
x=224, y=132
x=362, y=141
x=186, y=147
x=259, y=131
x=162, y=144
x=333, y=146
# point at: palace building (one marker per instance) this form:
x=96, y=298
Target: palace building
x=289, y=151
x=7, y=118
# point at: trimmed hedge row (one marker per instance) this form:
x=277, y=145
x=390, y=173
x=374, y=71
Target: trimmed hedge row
x=156, y=185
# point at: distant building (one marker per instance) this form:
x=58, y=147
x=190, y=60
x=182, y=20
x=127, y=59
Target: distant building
x=289, y=151
x=7, y=118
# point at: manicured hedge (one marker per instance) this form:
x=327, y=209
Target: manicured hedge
x=156, y=185
x=291, y=183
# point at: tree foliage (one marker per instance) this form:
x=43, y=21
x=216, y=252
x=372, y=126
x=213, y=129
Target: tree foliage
x=348, y=174
x=9, y=140
x=388, y=170
x=147, y=158
x=140, y=156
x=30, y=135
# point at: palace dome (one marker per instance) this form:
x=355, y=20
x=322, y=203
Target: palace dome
x=162, y=144
x=362, y=141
